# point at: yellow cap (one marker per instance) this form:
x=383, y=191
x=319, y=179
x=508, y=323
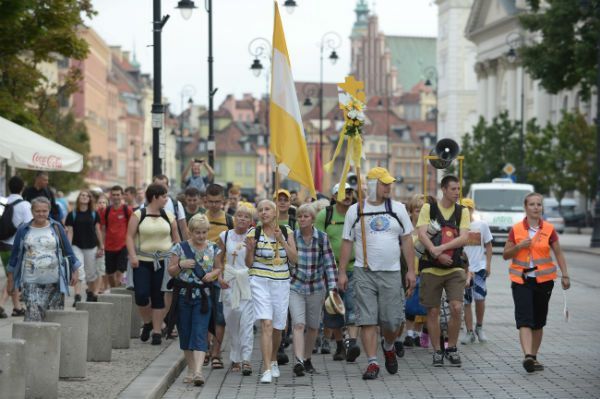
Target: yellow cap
x=381, y=174
x=282, y=191
x=468, y=202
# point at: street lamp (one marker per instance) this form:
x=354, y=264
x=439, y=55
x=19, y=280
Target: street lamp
x=309, y=90
x=290, y=6
x=186, y=7
x=187, y=91
x=514, y=40
x=427, y=141
x=332, y=41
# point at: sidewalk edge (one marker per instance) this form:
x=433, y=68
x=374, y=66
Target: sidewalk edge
x=585, y=250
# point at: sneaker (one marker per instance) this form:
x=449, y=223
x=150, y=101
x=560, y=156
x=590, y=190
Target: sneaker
x=468, y=338
x=352, y=350
x=282, y=357
x=325, y=348
x=275, y=370
x=198, y=379
x=391, y=363
x=399, y=348
x=372, y=371
x=537, y=366
x=424, y=340
x=308, y=367
x=299, y=369
x=3, y=314
x=417, y=341
x=146, y=330
x=409, y=341
x=340, y=353
x=156, y=339
x=438, y=359
x=317, y=345
x=480, y=334
x=90, y=297
x=529, y=364
x=76, y=299
x=453, y=357
x=266, y=377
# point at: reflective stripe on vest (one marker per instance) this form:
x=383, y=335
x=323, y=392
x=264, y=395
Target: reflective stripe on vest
x=535, y=258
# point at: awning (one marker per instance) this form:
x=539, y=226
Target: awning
x=25, y=149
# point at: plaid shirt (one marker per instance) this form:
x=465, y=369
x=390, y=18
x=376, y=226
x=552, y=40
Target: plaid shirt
x=314, y=260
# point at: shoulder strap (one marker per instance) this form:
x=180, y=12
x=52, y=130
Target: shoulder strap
x=142, y=215
x=328, y=215
x=257, y=232
x=458, y=215
x=434, y=212
x=15, y=202
x=229, y=221
x=163, y=214
x=388, y=209
x=284, y=231
x=187, y=250
x=126, y=212
x=175, y=207
x=225, y=241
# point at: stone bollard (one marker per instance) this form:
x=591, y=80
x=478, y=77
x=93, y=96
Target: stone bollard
x=42, y=357
x=73, y=341
x=12, y=368
x=136, y=319
x=99, y=330
x=121, y=319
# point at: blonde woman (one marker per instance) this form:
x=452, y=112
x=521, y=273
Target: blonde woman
x=194, y=265
x=235, y=289
x=269, y=248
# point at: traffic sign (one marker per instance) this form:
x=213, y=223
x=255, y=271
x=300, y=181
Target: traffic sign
x=509, y=169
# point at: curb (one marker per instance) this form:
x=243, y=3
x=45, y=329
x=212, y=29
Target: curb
x=584, y=250
x=154, y=380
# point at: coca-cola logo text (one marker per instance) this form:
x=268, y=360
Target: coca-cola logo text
x=46, y=161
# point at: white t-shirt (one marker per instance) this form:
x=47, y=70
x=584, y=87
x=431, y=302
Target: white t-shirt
x=170, y=208
x=382, y=232
x=479, y=235
x=21, y=214
x=235, y=245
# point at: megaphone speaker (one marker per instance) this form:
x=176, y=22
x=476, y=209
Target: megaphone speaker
x=447, y=149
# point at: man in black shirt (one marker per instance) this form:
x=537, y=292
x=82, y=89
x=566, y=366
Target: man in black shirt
x=40, y=189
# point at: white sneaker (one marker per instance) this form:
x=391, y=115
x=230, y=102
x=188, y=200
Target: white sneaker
x=275, y=370
x=266, y=377
x=480, y=334
x=468, y=338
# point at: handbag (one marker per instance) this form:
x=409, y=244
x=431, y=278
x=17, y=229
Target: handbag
x=413, y=306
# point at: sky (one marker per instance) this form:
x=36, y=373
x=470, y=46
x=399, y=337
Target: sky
x=128, y=23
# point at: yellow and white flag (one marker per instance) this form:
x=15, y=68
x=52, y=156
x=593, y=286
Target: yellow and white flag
x=288, y=143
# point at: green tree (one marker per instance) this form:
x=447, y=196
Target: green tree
x=566, y=55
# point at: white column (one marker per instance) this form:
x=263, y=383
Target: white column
x=511, y=93
x=492, y=90
x=482, y=87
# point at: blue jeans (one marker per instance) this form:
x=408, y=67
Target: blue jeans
x=192, y=325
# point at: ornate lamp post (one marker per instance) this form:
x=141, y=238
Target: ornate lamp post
x=330, y=41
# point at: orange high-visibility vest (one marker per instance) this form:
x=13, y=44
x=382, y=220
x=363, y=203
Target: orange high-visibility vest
x=538, y=253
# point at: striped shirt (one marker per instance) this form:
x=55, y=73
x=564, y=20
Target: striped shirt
x=264, y=265
x=316, y=264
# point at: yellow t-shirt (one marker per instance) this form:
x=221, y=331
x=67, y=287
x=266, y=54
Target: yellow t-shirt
x=154, y=234
x=218, y=224
x=424, y=219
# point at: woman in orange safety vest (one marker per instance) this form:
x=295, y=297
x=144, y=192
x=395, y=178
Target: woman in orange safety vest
x=532, y=273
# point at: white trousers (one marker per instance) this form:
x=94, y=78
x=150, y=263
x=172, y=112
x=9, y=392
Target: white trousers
x=240, y=322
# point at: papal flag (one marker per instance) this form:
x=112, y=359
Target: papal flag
x=288, y=143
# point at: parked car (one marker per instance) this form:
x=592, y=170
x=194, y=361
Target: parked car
x=568, y=210
x=555, y=218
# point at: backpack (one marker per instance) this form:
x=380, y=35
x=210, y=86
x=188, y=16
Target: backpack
x=163, y=214
x=388, y=211
x=292, y=218
x=107, y=212
x=74, y=215
x=258, y=231
x=7, y=228
x=450, y=229
x=328, y=217
x=228, y=222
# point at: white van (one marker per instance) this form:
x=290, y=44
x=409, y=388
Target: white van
x=500, y=204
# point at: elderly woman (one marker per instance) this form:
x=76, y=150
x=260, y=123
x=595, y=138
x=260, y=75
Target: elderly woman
x=42, y=262
x=194, y=265
x=532, y=273
x=269, y=248
x=236, y=295
x=150, y=235
x=314, y=274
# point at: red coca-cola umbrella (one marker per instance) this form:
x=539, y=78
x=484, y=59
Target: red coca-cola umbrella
x=25, y=149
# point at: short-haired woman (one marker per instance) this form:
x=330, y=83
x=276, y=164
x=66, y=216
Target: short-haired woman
x=42, y=262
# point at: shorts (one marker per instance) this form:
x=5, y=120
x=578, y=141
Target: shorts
x=349, y=318
x=378, y=298
x=306, y=309
x=88, y=258
x=430, y=290
x=116, y=261
x=478, y=288
x=531, y=302
x=218, y=306
x=270, y=299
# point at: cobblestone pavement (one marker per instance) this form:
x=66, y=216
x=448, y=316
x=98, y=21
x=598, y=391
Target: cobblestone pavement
x=570, y=353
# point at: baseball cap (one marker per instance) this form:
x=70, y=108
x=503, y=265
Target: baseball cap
x=381, y=174
x=336, y=188
x=468, y=202
x=282, y=191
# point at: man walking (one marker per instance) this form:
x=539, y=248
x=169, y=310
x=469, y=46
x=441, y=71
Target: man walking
x=377, y=282
x=114, y=220
x=40, y=189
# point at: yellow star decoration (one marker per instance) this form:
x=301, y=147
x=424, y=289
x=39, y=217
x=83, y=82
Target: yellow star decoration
x=354, y=87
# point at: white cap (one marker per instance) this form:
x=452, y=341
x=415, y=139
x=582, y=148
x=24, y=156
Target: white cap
x=336, y=188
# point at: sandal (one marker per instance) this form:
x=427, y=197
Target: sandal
x=188, y=379
x=198, y=379
x=235, y=367
x=246, y=368
x=18, y=312
x=206, y=360
x=217, y=363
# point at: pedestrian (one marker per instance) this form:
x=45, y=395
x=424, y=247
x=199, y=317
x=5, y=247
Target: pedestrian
x=194, y=266
x=129, y=197
x=192, y=203
x=287, y=214
x=235, y=290
x=40, y=189
x=378, y=296
x=532, y=273
x=269, y=249
x=42, y=263
x=313, y=276
x=196, y=179
x=83, y=230
x=479, y=252
x=174, y=206
x=234, y=196
x=331, y=221
x=442, y=267
x=150, y=235
x=115, y=218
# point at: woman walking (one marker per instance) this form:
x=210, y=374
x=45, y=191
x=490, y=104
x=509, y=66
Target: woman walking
x=532, y=273
x=235, y=290
x=269, y=248
x=314, y=275
x=42, y=263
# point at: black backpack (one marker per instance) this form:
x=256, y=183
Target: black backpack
x=125, y=212
x=163, y=214
x=328, y=217
x=258, y=231
x=7, y=228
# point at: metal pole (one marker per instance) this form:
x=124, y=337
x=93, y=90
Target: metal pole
x=181, y=158
x=157, y=107
x=321, y=108
x=521, y=175
x=267, y=131
x=595, y=241
x=211, y=91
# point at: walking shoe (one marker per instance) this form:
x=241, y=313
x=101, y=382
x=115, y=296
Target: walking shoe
x=529, y=364
x=424, y=340
x=317, y=344
x=399, y=348
x=156, y=339
x=417, y=341
x=537, y=366
x=266, y=377
x=453, y=357
x=480, y=334
x=409, y=341
x=299, y=369
x=391, y=363
x=91, y=297
x=198, y=379
x=468, y=338
x=372, y=371
x=3, y=314
x=325, y=348
x=76, y=299
x=308, y=367
x=146, y=330
x=275, y=370
x=352, y=350
x=438, y=358
x=340, y=352
x=282, y=357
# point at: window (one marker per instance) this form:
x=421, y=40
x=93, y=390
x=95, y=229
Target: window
x=217, y=168
x=261, y=177
x=238, y=168
x=120, y=141
x=249, y=168
x=122, y=168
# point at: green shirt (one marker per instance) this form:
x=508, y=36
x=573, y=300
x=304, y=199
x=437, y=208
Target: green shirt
x=189, y=215
x=334, y=232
